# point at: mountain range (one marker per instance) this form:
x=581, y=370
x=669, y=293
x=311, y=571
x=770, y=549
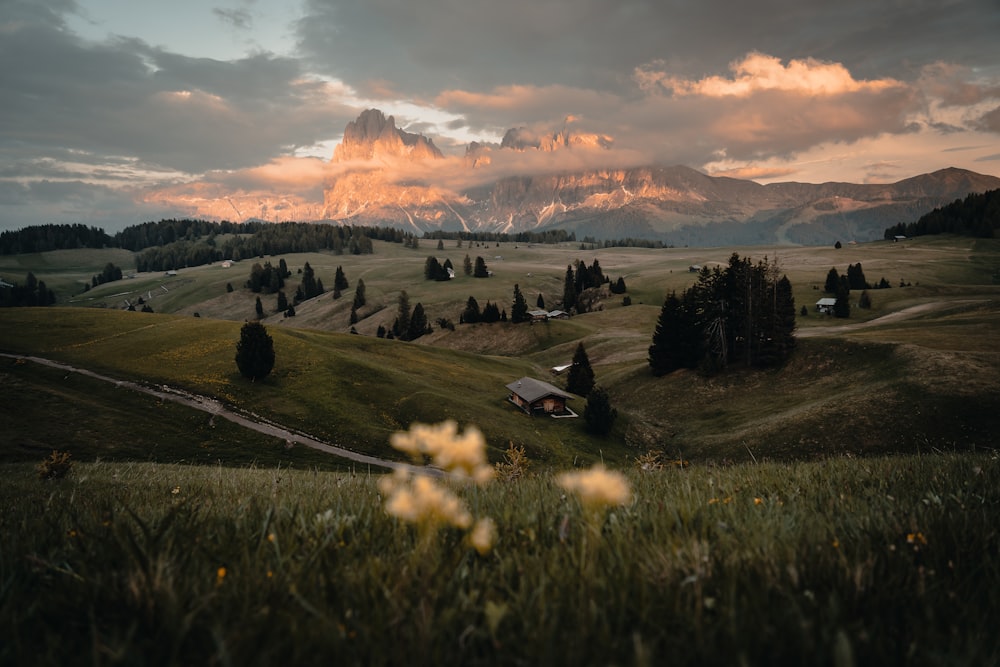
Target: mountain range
x=383, y=175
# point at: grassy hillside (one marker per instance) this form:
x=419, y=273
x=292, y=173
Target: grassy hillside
x=886, y=561
x=916, y=371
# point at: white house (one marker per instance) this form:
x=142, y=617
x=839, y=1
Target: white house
x=825, y=305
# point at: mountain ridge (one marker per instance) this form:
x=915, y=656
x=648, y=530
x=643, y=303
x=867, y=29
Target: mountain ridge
x=675, y=204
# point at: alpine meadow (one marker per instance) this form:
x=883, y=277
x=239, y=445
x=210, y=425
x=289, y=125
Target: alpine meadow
x=374, y=447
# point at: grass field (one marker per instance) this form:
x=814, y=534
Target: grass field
x=872, y=384
x=839, y=562
x=840, y=510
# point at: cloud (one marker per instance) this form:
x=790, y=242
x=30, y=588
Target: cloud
x=237, y=18
x=759, y=72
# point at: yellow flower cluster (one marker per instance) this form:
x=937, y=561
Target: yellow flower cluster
x=421, y=500
x=460, y=454
x=597, y=488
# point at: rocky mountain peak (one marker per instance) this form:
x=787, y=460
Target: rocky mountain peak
x=374, y=135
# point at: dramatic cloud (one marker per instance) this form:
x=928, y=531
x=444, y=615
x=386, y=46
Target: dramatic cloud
x=185, y=108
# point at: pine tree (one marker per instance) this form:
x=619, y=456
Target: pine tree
x=480, y=271
x=598, y=415
x=254, y=351
x=259, y=308
x=418, y=325
x=569, y=290
x=467, y=265
x=842, y=308
x=471, y=314
x=340, y=280
x=308, y=282
x=832, y=281
x=540, y=302
x=676, y=339
x=359, y=294
x=519, y=309
x=580, y=379
x=402, y=323
x=282, y=304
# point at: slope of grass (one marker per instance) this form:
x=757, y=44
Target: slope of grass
x=881, y=561
x=888, y=387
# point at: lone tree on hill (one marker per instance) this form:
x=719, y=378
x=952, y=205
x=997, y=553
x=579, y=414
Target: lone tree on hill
x=254, y=351
x=580, y=379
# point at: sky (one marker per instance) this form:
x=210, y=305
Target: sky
x=114, y=112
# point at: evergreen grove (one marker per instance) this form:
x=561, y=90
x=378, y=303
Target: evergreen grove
x=742, y=313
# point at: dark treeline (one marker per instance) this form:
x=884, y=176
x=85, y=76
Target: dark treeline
x=203, y=245
x=744, y=313
x=628, y=242
x=548, y=236
x=977, y=215
x=32, y=293
x=44, y=238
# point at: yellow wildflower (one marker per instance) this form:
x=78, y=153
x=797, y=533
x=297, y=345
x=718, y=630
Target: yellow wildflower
x=483, y=535
x=597, y=488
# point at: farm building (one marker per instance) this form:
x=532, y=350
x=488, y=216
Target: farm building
x=825, y=305
x=534, y=396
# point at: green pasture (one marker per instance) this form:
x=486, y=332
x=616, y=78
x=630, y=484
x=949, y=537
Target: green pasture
x=839, y=562
x=861, y=385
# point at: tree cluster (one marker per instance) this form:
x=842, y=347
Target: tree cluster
x=266, y=278
x=110, y=273
x=410, y=324
x=43, y=238
x=434, y=270
x=578, y=279
x=549, y=236
x=490, y=313
x=33, y=292
x=743, y=313
x=977, y=215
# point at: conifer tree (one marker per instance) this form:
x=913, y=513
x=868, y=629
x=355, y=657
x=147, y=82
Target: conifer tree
x=467, y=265
x=340, y=280
x=832, y=281
x=471, y=314
x=480, y=271
x=569, y=290
x=402, y=324
x=580, y=379
x=598, y=415
x=540, y=302
x=254, y=351
x=519, y=309
x=418, y=325
x=259, y=308
x=675, y=339
x=359, y=294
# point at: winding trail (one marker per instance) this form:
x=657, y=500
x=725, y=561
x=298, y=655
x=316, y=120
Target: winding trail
x=216, y=408
x=897, y=316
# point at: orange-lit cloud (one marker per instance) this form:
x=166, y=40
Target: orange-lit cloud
x=758, y=72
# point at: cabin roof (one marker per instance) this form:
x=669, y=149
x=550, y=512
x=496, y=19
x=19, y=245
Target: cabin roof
x=531, y=389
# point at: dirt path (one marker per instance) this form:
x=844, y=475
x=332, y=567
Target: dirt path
x=215, y=408
x=897, y=316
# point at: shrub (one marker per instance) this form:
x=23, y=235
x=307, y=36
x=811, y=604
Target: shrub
x=56, y=466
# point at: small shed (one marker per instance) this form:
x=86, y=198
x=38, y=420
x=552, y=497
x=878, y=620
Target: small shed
x=825, y=305
x=538, y=315
x=558, y=315
x=534, y=397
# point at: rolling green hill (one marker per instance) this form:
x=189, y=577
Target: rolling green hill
x=916, y=371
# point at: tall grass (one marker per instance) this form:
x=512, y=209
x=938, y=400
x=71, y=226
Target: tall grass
x=846, y=561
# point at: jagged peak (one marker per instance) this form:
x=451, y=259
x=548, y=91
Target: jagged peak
x=375, y=135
